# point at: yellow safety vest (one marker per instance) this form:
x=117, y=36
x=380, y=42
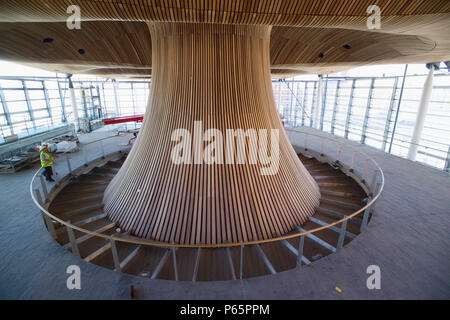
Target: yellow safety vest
x=46, y=159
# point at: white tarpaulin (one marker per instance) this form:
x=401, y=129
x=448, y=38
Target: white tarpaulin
x=66, y=146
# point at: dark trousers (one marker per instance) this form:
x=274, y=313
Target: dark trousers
x=48, y=173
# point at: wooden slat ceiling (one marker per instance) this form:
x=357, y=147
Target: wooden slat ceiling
x=271, y=12
x=116, y=40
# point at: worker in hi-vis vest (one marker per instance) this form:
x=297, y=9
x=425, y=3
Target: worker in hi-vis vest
x=47, y=162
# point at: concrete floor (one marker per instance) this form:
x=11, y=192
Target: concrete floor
x=407, y=238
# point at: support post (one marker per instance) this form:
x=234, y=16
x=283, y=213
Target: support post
x=174, y=260
x=73, y=241
x=47, y=221
x=115, y=256
x=352, y=164
x=103, y=149
x=241, y=263
x=44, y=187
x=342, y=233
x=421, y=115
x=69, y=167
x=300, y=251
x=365, y=218
x=373, y=183
x=364, y=174
x=338, y=154
x=85, y=158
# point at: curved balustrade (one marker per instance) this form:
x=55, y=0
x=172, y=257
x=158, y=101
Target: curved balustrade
x=353, y=162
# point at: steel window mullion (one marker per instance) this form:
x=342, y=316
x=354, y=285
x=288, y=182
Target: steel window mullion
x=349, y=109
x=366, y=116
x=104, y=101
x=92, y=100
x=279, y=95
x=296, y=104
x=324, y=99
x=47, y=102
x=6, y=111
x=27, y=99
x=304, y=103
x=313, y=104
x=389, y=114
x=336, y=97
x=83, y=95
x=447, y=161
x=63, y=104
x=132, y=96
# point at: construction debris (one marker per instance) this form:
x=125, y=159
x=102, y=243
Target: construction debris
x=19, y=161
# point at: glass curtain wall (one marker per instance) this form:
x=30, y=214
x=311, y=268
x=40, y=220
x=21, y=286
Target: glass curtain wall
x=362, y=109
x=30, y=106
x=366, y=109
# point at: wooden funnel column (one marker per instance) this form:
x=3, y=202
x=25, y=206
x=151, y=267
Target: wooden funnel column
x=219, y=75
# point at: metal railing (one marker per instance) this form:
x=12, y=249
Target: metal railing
x=347, y=158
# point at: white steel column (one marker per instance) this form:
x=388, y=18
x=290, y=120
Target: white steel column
x=421, y=114
x=116, y=99
x=318, y=107
x=73, y=100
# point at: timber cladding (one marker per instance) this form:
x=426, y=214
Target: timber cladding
x=219, y=75
x=308, y=36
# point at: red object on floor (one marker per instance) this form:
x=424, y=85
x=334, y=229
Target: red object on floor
x=135, y=118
